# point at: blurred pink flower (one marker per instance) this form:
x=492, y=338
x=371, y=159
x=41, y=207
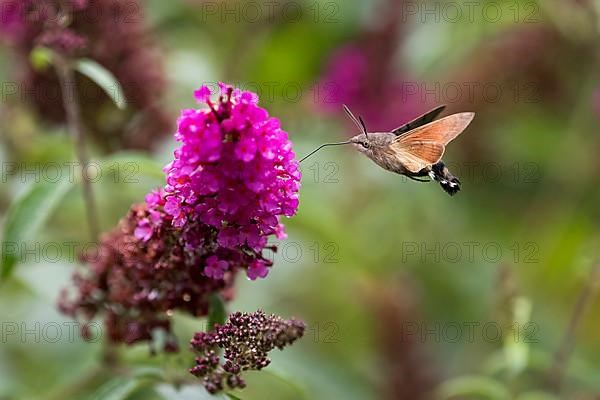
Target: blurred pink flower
x=364, y=75
x=12, y=24
x=351, y=79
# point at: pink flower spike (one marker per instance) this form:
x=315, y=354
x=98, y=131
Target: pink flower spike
x=232, y=178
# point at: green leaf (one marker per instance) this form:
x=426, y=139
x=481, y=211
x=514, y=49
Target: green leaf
x=189, y=392
x=122, y=388
x=147, y=394
x=232, y=397
x=474, y=385
x=26, y=215
x=103, y=78
x=537, y=396
x=216, y=313
x=149, y=372
x=288, y=381
x=119, y=389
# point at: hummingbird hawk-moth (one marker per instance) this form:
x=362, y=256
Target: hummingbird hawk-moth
x=414, y=149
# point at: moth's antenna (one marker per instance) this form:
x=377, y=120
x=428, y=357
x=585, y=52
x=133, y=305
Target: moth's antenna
x=360, y=125
x=321, y=146
x=364, y=127
x=352, y=117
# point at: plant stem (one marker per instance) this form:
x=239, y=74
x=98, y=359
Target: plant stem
x=68, y=85
x=562, y=355
x=75, y=127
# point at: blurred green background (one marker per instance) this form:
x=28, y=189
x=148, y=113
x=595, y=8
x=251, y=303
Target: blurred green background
x=407, y=293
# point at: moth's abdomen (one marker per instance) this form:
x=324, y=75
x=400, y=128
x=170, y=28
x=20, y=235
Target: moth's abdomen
x=448, y=182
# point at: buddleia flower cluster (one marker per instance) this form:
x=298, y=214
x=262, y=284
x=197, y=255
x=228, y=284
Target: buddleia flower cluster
x=245, y=340
x=232, y=179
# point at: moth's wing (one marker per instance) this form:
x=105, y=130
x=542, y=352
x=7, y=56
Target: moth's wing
x=425, y=145
x=442, y=131
x=419, y=121
x=417, y=155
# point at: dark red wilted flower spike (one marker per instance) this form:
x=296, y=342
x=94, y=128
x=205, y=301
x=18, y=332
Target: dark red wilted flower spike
x=246, y=340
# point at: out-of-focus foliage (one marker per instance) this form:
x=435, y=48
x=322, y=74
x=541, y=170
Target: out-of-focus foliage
x=405, y=291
